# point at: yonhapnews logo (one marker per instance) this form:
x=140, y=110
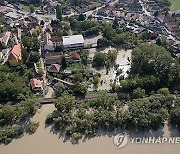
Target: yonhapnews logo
x=122, y=139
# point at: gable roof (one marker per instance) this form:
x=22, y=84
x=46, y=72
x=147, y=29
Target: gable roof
x=54, y=68
x=35, y=83
x=75, y=56
x=16, y=51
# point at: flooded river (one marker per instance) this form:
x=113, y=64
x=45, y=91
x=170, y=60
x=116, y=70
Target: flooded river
x=45, y=142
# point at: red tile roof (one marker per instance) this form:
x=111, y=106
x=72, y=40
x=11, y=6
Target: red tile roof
x=16, y=51
x=35, y=83
x=75, y=56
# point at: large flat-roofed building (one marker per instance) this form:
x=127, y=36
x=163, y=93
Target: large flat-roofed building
x=74, y=41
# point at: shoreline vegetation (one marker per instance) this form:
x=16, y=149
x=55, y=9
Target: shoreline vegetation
x=15, y=120
x=49, y=141
x=76, y=120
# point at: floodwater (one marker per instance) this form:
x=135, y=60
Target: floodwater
x=45, y=142
x=108, y=79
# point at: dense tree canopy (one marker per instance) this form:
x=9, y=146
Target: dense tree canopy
x=15, y=120
x=99, y=59
x=87, y=27
x=150, y=59
x=59, y=12
x=15, y=82
x=86, y=117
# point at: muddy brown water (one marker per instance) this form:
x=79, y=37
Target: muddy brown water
x=45, y=142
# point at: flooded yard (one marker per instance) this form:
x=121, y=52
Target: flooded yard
x=122, y=61
x=45, y=142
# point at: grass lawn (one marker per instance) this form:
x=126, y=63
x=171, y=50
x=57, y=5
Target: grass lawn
x=175, y=4
x=74, y=66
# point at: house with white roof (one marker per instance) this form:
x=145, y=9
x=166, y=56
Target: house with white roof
x=73, y=41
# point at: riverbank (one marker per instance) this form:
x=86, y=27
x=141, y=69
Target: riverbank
x=45, y=142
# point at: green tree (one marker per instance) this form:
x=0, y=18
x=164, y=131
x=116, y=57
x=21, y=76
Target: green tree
x=59, y=48
x=64, y=62
x=81, y=17
x=96, y=80
x=102, y=42
x=59, y=89
x=156, y=13
x=84, y=56
x=175, y=116
x=164, y=91
x=32, y=8
x=150, y=59
x=79, y=89
x=99, y=59
x=78, y=77
x=26, y=40
x=138, y=93
x=25, y=55
x=35, y=56
x=59, y=12
x=65, y=103
x=109, y=33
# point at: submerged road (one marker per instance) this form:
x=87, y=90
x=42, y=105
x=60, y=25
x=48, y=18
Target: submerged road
x=88, y=96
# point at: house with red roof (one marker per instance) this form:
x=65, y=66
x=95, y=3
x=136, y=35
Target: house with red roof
x=74, y=57
x=36, y=85
x=15, y=56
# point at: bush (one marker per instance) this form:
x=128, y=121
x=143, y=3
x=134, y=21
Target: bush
x=76, y=136
x=31, y=127
x=164, y=91
x=49, y=119
x=138, y=93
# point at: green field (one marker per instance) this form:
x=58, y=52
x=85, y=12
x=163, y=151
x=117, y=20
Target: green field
x=175, y=4
x=75, y=66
